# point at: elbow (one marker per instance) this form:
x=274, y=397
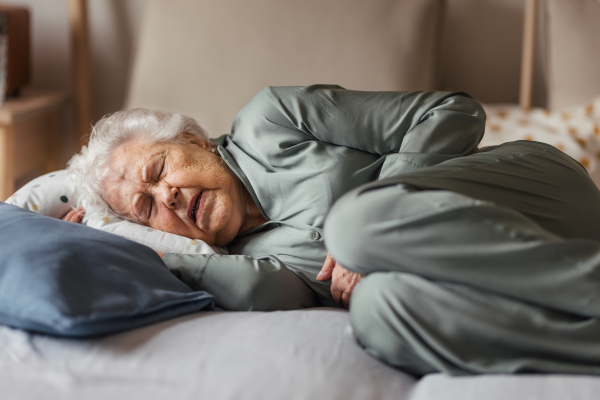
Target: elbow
x=480, y=118
x=467, y=118
x=477, y=117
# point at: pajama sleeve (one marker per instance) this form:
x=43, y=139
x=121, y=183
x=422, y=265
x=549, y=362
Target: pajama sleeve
x=242, y=283
x=411, y=129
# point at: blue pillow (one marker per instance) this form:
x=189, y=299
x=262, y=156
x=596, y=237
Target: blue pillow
x=67, y=279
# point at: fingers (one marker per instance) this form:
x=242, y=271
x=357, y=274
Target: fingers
x=327, y=269
x=336, y=291
x=346, y=299
x=75, y=215
x=161, y=255
x=69, y=215
x=343, y=282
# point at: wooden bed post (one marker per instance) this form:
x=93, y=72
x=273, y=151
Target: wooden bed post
x=528, y=53
x=82, y=68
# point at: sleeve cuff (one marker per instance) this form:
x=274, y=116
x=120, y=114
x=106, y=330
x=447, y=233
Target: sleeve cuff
x=189, y=268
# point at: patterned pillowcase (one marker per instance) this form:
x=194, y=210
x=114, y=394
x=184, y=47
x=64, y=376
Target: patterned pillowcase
x=53, y=195
x=573, y=130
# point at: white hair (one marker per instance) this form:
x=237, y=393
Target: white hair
x=92, y=165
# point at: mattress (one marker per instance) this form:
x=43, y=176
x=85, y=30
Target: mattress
x=304, y=354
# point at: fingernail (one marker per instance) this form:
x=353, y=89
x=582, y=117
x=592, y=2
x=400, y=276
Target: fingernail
x=320, y=275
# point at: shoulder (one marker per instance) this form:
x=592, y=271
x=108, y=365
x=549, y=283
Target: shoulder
x=264, y=119
x=274, y=102
x=255, y=113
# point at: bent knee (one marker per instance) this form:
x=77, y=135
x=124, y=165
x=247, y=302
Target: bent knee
x=377, y=312
x=352, y=222
x=362, y=220
x=344, y=229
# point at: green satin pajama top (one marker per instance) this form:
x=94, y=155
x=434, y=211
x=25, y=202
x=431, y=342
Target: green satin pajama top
x=298, y=150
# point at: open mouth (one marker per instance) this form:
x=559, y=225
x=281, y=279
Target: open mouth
x=195, y=204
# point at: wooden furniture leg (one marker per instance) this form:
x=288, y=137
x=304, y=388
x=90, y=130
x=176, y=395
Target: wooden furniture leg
x=528, y=53
x=82, y=68
x=7, y=180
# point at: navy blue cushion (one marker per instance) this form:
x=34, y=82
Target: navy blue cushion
x=67, y=279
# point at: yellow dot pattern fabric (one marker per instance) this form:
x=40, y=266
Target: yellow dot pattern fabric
x=574, y=130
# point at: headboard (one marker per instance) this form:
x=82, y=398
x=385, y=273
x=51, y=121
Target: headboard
x=207, y=58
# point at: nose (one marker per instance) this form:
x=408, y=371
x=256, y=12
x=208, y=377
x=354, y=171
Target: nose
x=168, y=195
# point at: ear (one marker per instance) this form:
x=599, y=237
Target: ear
x=195, y=140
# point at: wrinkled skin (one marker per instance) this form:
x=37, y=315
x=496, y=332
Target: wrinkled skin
x=156, y=184
x=343, y=280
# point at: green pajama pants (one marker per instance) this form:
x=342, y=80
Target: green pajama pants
x=488, y=263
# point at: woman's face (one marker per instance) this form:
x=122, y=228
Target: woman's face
x=181, y=188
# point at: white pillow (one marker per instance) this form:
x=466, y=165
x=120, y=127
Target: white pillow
x=573, y=130
x=53, y=195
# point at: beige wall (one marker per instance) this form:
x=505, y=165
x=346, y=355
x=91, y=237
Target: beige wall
x=481, y=50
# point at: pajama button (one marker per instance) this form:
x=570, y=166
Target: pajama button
x=314, y=235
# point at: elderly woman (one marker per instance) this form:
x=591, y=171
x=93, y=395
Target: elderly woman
x=468, y=260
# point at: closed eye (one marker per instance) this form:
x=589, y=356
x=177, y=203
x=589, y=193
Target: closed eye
x=150, y=208
x=146, y=208
x=162, y=168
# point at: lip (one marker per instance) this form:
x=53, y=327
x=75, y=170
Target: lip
x=191, y=206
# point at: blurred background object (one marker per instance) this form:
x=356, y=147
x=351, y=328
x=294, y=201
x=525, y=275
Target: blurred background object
x=18, y=49
x=3, y=55
x=15, y=51
x=112, y=27
x=479, y=51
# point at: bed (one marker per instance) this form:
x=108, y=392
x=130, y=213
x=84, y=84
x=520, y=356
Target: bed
x=286, y=354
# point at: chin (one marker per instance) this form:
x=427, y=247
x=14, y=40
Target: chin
x=222, y=239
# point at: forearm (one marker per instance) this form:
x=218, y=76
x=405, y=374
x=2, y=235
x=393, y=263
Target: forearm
x=451, y=128
x=242, y=283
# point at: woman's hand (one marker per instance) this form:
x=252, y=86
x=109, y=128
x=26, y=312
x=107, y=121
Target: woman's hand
x=75, y=215
x=342, y=280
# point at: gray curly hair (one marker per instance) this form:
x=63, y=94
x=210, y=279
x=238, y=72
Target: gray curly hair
x=89, y=168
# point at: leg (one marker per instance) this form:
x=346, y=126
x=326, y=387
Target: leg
x=422, y=326
x=532, y=178
x=445, y=236
x=470, y=286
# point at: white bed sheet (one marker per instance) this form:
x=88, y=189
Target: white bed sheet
x=507, y=387
x=307, y=354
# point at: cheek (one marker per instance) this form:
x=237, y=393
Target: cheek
x=168, y=221
x=201, y=171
